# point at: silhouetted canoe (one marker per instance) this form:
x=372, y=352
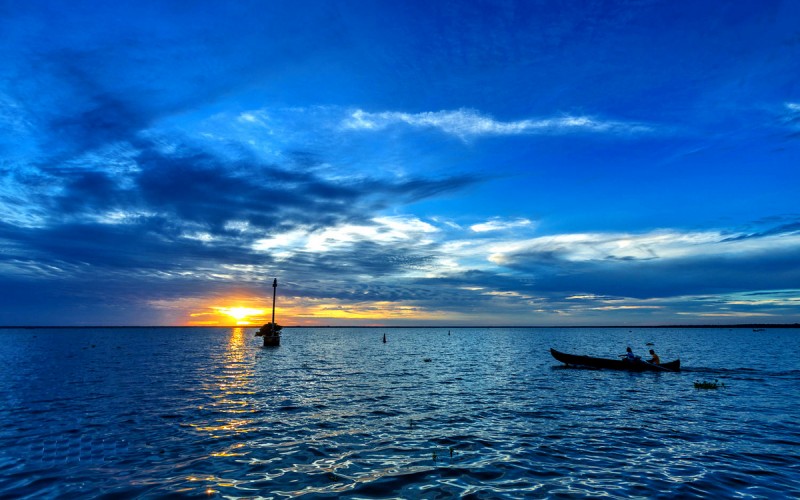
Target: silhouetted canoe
x=616, y=364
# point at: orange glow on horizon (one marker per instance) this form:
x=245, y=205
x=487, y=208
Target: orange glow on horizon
x=303, y=311
x=240, y=314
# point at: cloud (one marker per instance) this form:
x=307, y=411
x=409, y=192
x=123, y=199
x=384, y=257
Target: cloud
x=498, y=224
x=659, y=264
x=379, y=230
x=467, y=123
x=146, y=160
x=114, y=195
x=571, y=272
x=790, y=117
x=190, y=202
x=605, y=246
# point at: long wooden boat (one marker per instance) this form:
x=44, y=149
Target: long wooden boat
x=615, y=364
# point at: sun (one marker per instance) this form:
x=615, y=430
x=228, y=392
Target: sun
x=240, y=314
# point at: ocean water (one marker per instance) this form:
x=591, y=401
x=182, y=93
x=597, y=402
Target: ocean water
x=335, y=412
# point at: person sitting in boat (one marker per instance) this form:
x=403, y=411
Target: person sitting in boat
x=629, y=356
x=655, y=359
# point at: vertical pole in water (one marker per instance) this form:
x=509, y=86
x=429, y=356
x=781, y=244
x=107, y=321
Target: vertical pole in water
x=270, y=340
x=274, y=292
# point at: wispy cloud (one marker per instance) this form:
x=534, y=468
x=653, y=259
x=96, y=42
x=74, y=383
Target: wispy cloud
x=791, y=117
x=655, y=265
x=497, y=224
x=380, y=230
x=468, y=123
x=606, y=246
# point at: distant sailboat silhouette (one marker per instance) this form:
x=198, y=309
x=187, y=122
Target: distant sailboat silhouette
x=384, y=338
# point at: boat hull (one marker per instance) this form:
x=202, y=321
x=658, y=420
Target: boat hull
x=615, y=364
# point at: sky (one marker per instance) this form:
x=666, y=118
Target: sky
x=436, y=163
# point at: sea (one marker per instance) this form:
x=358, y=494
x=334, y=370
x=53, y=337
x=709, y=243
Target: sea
x=430, y=413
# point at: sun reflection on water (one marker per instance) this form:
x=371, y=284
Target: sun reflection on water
x=231, y=390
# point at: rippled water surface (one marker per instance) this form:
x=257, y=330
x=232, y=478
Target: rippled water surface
x=336, y=412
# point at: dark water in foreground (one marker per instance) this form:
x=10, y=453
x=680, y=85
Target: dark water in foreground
x=335, y=412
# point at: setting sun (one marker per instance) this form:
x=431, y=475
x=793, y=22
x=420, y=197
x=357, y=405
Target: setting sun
x=240, y=314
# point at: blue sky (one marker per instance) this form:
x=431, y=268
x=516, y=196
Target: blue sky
x=426, y=163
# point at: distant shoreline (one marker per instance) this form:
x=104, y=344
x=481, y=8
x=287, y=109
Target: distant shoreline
x=452, y=327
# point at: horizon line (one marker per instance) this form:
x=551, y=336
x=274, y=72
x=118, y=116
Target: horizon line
x=734, y=325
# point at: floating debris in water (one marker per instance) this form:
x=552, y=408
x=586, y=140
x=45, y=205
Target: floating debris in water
x=427, y=360
x=708, y=385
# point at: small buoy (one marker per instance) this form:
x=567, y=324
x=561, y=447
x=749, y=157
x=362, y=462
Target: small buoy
x=427, y=360
x=384, y=338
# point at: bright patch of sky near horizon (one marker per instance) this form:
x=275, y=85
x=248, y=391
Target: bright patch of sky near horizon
x=492, y=162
